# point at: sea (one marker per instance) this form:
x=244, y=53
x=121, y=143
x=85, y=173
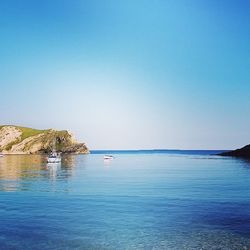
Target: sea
x=144, y=199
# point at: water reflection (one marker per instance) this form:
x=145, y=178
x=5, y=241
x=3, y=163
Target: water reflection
x=68, y=161
x=14, y=167
x=20, y=172
x=245, y=162
x=107, y=163
x=52, y=170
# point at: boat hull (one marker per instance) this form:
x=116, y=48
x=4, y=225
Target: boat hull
x=53, y=160
x=108, y=157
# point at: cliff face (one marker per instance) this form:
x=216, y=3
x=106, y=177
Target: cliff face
x=242, y=152
x=21, y=140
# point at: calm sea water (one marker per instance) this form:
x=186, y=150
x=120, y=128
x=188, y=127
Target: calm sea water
x=140, y=200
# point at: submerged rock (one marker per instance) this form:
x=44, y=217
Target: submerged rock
x=242, y=152
x=21, y=140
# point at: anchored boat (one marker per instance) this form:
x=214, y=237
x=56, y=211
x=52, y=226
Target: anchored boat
x=54, y=157
x=108, y=157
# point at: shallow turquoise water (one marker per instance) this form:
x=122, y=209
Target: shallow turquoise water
x=137, y=201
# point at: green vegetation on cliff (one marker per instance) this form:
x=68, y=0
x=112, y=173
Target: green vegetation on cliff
x=27, y=132
x=22, y=140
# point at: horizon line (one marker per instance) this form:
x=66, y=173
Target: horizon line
x=160, y=149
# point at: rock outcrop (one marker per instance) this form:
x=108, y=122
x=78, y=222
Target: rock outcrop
x=242, y=152
x=21, y=140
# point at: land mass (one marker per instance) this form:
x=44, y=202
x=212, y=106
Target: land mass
x=242, y=152
x=22, y=140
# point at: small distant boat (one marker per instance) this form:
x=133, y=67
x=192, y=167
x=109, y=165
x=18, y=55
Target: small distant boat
x=1, y=155
x=54, y=157
x=108, y=157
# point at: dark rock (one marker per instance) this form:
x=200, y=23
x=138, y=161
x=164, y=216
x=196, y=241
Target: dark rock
x=242, y=152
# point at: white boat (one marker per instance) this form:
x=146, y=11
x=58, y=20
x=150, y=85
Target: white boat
x=108, y=157
x=54, y=157
x=1, y=155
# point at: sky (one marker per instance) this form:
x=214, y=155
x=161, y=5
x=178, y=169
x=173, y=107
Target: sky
x=134, y=74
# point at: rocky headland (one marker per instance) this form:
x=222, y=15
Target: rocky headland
x=22, y=140
x=242, y=152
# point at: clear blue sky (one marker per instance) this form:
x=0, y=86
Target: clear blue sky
x=129, y=74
